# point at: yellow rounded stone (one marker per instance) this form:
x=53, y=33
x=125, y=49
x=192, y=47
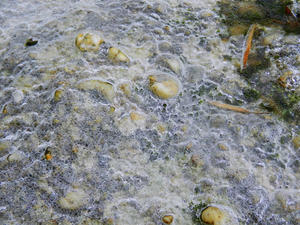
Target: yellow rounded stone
x=88, y=42
x=168, y=219
x=116, y=55
x=112, y=109
x=222, y=147
x=58, y=94
x=212, y=215
x=4, y=110
x=55, y=121
x=164, y=89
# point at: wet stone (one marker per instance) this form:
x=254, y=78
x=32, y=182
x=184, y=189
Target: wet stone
x=103, y=87
x=58, y=94
x=212, y=215
x=170, y=62
x=116, y=55
x=165, y=47
x=167, y=219
x=163, y=86
x=88, y=42
x=16, y=156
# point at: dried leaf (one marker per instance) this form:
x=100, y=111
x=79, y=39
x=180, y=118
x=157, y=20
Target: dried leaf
x=247, y=45
x=30, y=42
x=292, y=23
x=289, y=12
x=233, y=108
x=282, y=80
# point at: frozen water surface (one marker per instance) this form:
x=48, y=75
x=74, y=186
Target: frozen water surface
x=69, y=154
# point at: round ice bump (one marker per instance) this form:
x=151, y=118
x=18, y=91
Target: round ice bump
x=88, y=42
x=103, y=87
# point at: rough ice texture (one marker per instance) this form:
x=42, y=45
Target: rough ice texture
x=107, y=166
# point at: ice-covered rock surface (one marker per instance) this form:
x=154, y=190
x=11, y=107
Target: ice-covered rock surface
x=84, y=140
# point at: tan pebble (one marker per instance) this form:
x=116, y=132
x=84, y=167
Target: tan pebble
x=136, y=116
x=58, y=94
x=164, y=89
x=116, y=55
x=187, y=32
x=88, y=42
x=112, y=109
x=207, y=14
x=16, y=156
x=184, y=128
x=55, y=121
x=62, y=83
x=76, y=109
x=52, y=72
x=69, y=70
x=104, y=87
x=267, y=117
x=4, y=110
x=168, y=219
x=296, y=142
x=298, y=60
x=174, y=65
x=212, y=215
x=222, y=147
x=75, y=149
x=167, y=28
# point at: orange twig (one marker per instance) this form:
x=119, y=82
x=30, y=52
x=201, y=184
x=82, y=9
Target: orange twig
x=247, y=45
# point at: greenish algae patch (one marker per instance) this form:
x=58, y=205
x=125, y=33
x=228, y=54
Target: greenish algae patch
x=196, y=210
x=275, y=95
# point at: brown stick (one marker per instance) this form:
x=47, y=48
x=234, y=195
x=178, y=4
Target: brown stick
x=233, y=108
